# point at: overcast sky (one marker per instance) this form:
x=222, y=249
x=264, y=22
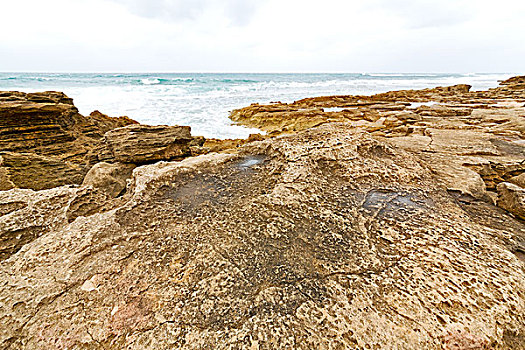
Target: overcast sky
x=262, y=36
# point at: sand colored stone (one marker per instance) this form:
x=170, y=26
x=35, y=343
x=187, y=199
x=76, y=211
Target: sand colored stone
x=383, y=224
x=324, y=239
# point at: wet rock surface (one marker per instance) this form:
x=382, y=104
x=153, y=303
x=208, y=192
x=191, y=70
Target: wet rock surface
x=324, y=239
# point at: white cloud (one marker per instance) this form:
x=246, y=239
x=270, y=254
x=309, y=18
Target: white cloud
x=263, y=35
x=425, y=13
x=237, y=11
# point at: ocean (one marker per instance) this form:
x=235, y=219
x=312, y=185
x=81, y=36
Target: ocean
x=204, y=100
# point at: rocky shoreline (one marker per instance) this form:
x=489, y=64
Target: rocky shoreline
x=388, y=221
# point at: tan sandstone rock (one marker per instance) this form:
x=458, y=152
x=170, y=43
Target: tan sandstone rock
x=518, y=180
x=323, y=239
x=109, y=178
x=45, y=142
x=375, y=232
x=145, y=144
x=26, y=215
x=512, y=198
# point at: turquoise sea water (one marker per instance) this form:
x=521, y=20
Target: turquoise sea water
x=204, y=100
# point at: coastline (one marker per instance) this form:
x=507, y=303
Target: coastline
x=356, y=221
x=204, y=101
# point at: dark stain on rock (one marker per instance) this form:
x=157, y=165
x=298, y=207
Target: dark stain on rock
x=393, y=204
x=510, y=148
x=217, y=187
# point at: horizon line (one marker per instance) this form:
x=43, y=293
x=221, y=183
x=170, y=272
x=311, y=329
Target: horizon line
x=234, y=72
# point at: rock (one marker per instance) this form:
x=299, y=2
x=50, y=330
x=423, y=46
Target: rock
x=106, y=123
x=255, y=137
x=26, y=215
x=197, y=141
x=5, y=182
x=109, y=178
x=514, y=80
x=327, y=238
x=462, y=142
x=454, y=105
x=45, y=142
x=518, y=180
x=512, y=198
x=42, y=134
x=376, y=229
x=467, y=161
x=142, y=144
x=197, y=146
x=86, y=202
x=230, y=145
x=30, y=170
x=456, y=177
x=441, y=111
x=497, y=171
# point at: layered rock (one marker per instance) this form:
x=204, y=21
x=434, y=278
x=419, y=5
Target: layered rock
x=45, y=142
x=365, y=111
x=472, y=140
x=324, y=239
x=396, y=223
x=512, y=198
x=30, y=170
x=142, y=144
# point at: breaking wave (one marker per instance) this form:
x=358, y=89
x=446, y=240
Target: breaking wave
x=204, y=100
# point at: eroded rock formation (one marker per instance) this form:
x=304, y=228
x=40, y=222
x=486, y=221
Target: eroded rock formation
x=472, y=140
x=45, y=142
x=142, y=144
x=384, y=224
x=328, y=238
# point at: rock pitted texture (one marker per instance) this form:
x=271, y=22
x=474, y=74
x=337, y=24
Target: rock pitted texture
x=472, y=140
x=398, y=224
x=45, y=142
x=26, y=215
x=324, y=239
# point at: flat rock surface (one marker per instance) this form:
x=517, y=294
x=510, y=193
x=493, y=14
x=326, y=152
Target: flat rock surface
x=325, y=239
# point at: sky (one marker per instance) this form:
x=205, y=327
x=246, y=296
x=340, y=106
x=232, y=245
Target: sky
x=262, y=36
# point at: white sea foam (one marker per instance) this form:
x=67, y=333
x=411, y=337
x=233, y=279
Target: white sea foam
x=204, y=101
x=415, y=105
x=149, y=81
x=337, y=109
